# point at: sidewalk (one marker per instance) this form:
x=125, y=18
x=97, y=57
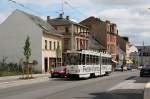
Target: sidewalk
x=13, y=78
x=147, y=91
x=11, y=81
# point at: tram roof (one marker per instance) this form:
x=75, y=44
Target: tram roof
x=90, y=52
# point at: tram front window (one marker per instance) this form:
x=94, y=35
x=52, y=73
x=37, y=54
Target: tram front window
x=72, y=59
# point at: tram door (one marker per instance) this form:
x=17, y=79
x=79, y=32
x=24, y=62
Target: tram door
x=103, y=65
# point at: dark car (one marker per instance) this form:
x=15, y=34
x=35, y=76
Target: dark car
x=58, y=72
x=145, y=70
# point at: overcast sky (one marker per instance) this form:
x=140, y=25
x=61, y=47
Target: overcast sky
x=131, y=16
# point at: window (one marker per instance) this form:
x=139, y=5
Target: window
x=50, y=45
x=58, y=46
x=54, y=45
x=46, y=44
x=66, y=29
x=72, y=59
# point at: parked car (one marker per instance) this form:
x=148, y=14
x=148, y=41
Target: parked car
x=145, y=70
x=129, y=67
x=119, y=68
x=58, y=72
x=140, y=67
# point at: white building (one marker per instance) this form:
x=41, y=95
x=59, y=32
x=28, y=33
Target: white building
x=144, y=55
x=44, y=40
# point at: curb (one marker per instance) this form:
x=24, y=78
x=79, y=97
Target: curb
x=147, y=91
x=23, y=82
x=12, y=81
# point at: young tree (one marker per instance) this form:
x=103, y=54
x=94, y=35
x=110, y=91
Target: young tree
x=58, y=53
x=135, y=63
x=27, y=53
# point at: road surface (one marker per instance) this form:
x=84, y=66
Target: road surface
x=119, y=85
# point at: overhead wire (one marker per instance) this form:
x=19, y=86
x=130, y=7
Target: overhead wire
x=63, y=2
x=75, y=9
x=23, y=6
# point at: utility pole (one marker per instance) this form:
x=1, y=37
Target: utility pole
x=142, y=53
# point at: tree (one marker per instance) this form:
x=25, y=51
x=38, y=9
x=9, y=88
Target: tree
x=27, y=53
x=124, y=61
x=135, y=63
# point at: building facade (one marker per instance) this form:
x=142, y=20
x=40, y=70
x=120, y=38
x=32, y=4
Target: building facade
x=112, y=34
x=75, y=36
x=144, y=55
x=134, y=56
x=44, y=40
x=106, y=34
x=123, y=44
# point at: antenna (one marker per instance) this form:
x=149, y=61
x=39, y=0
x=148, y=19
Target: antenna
x=62, y=7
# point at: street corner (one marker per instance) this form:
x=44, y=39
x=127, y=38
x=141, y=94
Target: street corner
x=147, y=91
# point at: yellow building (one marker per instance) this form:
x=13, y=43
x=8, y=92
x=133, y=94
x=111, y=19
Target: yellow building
x=51, y=51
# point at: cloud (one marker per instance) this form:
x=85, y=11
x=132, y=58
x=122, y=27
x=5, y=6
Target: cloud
x=3, y=16
x=145, y=34
x=38, y=2
x=48, y=3
x=122, y=3
x=132, y=22
x=132, y=17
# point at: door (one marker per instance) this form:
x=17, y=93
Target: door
x=46, y=64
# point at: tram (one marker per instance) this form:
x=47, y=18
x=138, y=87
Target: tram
x=86, y=63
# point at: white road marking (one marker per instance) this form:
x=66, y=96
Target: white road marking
x=129, y=84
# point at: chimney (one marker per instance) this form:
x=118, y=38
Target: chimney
x=48, y=18
x=61, y=15
x=67, y=17
x=107, y=21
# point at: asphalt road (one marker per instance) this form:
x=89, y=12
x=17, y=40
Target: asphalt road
x=126, y=85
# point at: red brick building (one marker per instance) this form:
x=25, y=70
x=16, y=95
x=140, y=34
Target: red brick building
x=105, y=32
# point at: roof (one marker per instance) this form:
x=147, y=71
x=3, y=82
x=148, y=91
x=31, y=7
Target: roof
x=143, y=48
x=94, y=44
x=41, y=23
x=63, y=21
x=92, y=18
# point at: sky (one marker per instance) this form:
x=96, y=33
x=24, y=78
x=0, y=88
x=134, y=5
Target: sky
x=131, y=16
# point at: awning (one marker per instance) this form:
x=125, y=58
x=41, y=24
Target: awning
x=114, y=61
x=129, y=61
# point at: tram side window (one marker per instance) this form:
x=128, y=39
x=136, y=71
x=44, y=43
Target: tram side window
x=87, y=59
x=104, y=61
x=109, y=60
x=97, y=60
x=82, y=57
x=93, y=60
